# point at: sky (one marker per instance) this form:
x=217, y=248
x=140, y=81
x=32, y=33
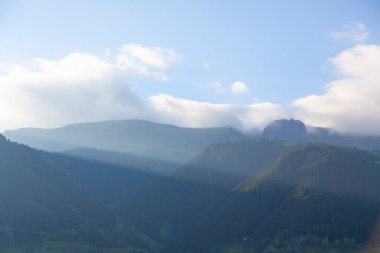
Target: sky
x=191, y=63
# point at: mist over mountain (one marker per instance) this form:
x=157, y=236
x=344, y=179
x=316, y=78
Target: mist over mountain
x=283, y=129
x=279, y=190
x=138, y=162
x=228, y=164
x=189, y=126
x=161, y=148
x=295, y=131
x=136, y=137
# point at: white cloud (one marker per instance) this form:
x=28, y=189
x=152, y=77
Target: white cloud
x=259, y=115
x=352, y=31
x=239, y=87
x=191, y=113
x=76, y=67
x=83, y=87
x=352, y=103
x=146, y=61
x=79, y=87
x=217, y=87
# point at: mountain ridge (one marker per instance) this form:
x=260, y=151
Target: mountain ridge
x=143, y=138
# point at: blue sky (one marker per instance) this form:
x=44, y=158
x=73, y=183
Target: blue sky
x=279, y=50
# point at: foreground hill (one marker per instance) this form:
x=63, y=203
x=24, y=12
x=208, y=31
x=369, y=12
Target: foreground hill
x=143, y=138
x=175, y=203
x=39, y=204
x=312, y=195
x=108, y=183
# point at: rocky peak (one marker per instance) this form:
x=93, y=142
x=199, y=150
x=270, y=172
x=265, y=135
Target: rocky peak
x=285, y=129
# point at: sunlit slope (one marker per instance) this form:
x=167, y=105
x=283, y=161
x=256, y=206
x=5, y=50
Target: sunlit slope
x=174, y=204
x=312, y=190
x=228, y=164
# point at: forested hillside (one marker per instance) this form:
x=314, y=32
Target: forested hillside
x=245, y=196
x=311, y=196
x=39, y=205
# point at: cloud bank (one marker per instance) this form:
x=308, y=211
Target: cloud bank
x=146, y=61
x=79, y=87
x=83, y=87
x=185, y=112
x=350, y=104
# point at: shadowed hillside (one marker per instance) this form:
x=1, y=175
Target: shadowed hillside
x=38, y=204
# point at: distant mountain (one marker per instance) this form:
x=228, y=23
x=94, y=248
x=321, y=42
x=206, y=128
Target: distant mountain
x=312, y=195
x=267, y=194
x=283, y=129
x=146, y=139
x=39, y=203
x=324, y=135
x=295, y=132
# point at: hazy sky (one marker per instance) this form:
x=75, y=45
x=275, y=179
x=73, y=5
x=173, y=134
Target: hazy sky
x=191, y=63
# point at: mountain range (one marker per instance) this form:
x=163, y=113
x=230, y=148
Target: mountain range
x=141, y=140
x=137, y=186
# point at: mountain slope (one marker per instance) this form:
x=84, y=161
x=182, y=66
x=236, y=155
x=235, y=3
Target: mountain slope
x=38, y=204
x=144, y=138
x=311, y=191
x=318, y=167
x=228, y=164
x=137, y=162
x=171, y=206
x=112, y=184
